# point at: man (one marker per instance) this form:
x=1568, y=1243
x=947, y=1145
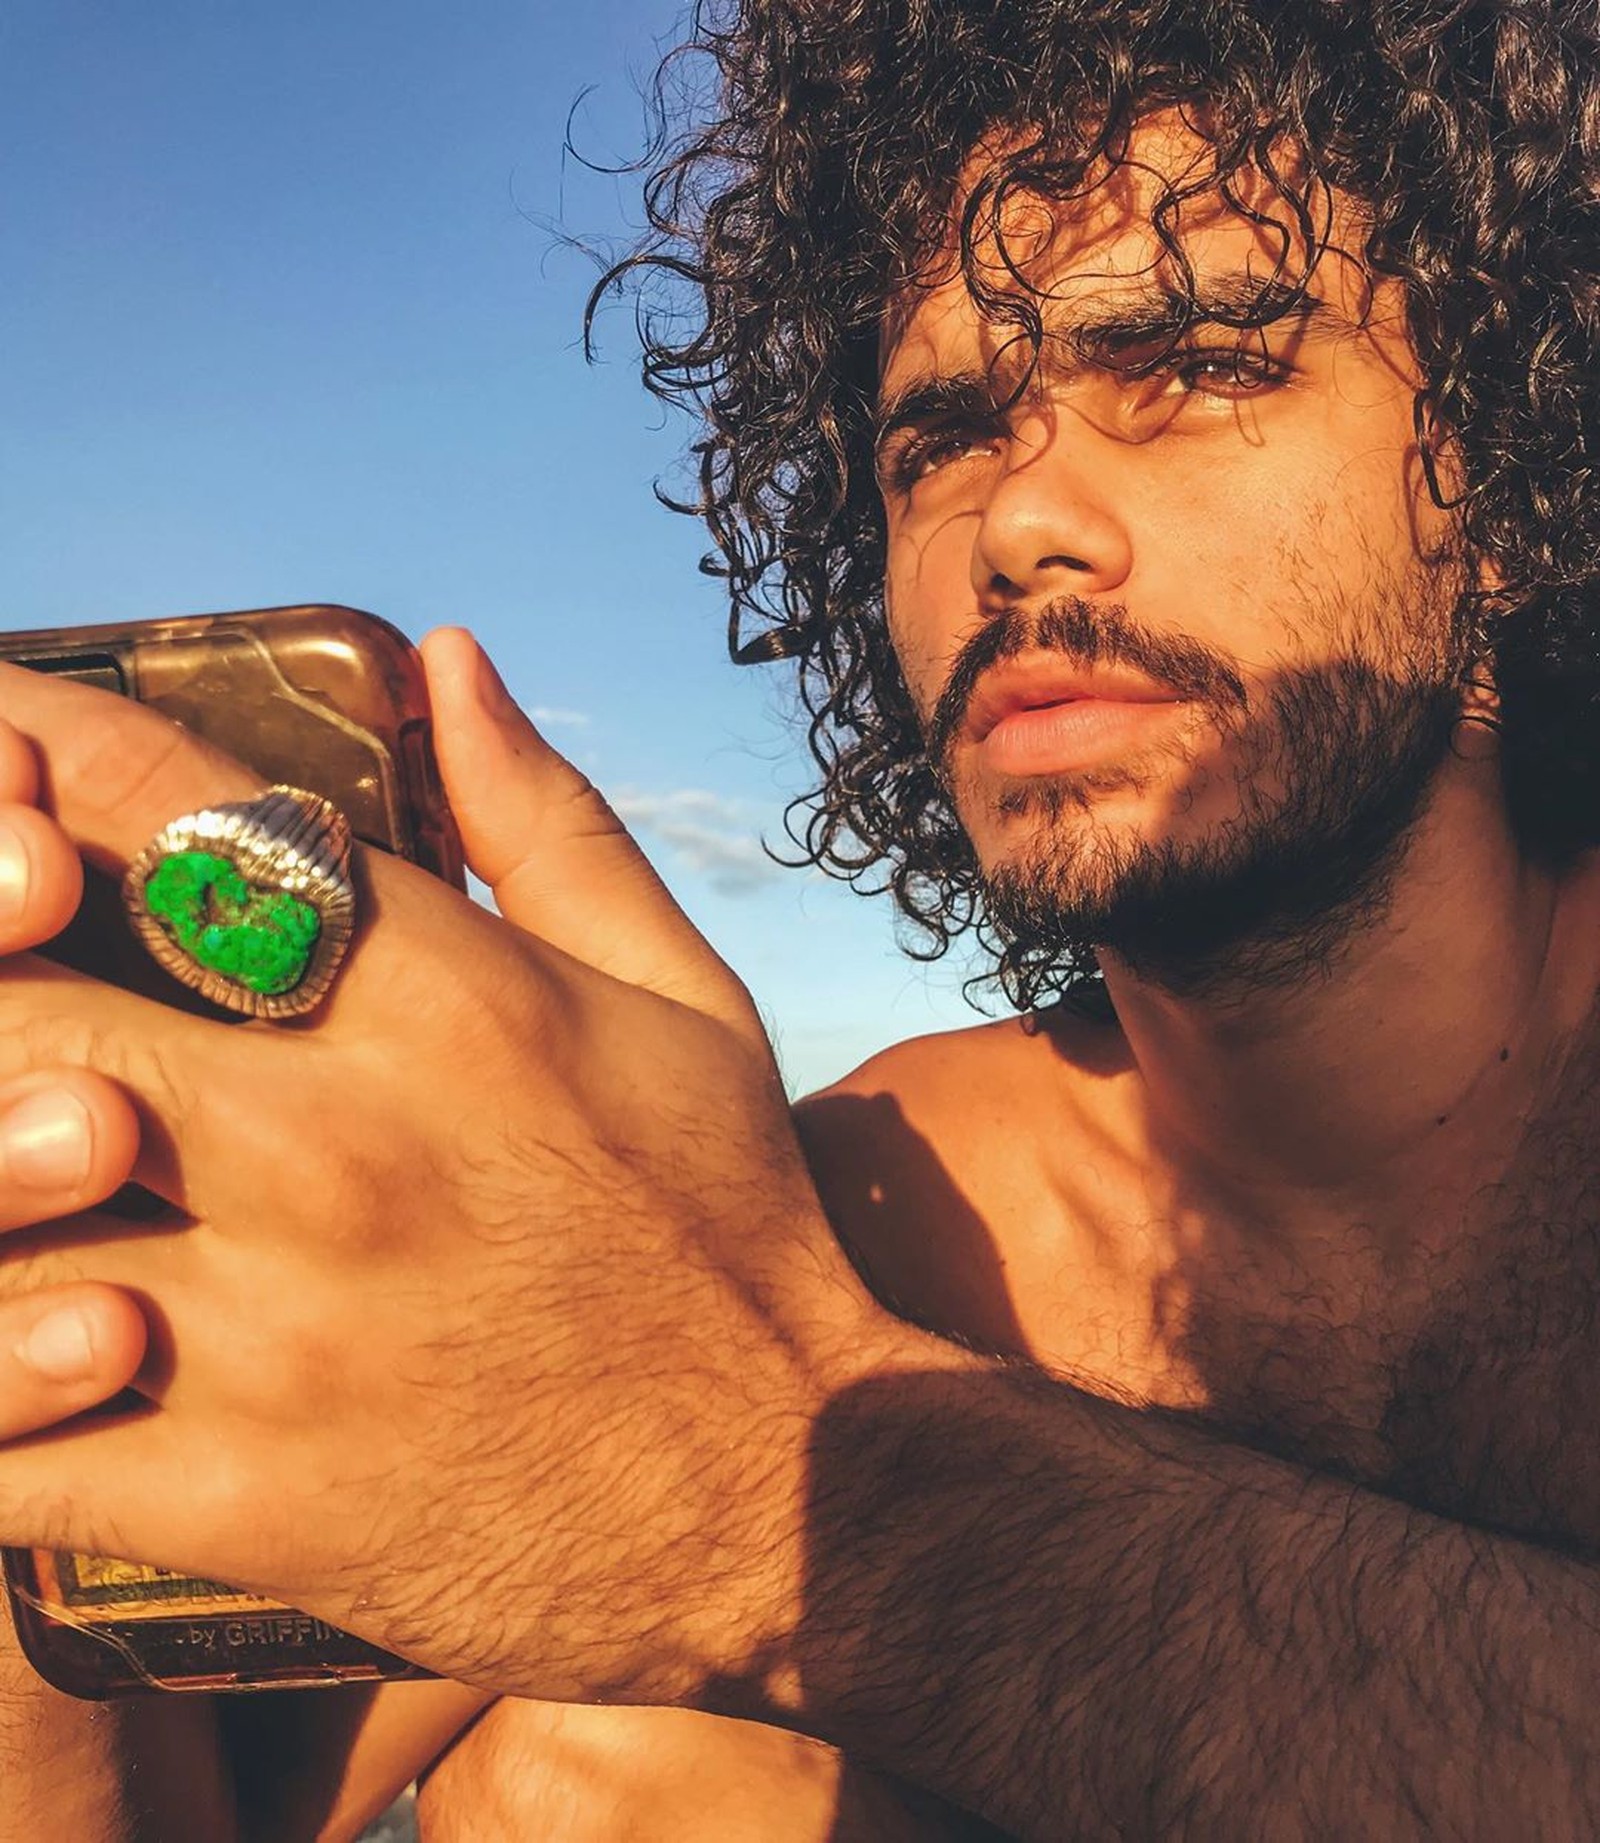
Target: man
x=1165, y=436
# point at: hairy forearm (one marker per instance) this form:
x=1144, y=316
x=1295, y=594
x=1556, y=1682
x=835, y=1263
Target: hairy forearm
x=1083, y=1621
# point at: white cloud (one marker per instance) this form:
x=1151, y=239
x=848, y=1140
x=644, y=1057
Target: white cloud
x=548, y=718
x=714, y=835
x=697, y=803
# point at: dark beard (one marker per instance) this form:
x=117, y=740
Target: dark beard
x=1333, y=771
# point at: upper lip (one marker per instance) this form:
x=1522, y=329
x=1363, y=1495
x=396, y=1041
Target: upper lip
x=1034, y=684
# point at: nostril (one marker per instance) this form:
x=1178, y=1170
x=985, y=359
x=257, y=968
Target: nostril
x=1004, y=585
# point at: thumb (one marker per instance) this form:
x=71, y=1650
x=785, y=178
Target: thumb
x=560, y=863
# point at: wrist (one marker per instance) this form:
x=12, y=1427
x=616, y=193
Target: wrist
x=841, y=1347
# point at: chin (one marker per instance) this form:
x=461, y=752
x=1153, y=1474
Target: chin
x=1068, y=818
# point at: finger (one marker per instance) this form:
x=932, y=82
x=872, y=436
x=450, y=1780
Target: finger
x=114, y=773
x=69, y=1138
x=559, y=861
x=41, y=878
x=154, y=1080
x=41, y=875
x=97, y=1485
x=148, y=1485
x=62, y=1350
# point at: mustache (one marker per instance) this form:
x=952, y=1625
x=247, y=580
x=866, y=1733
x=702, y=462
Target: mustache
x=1087, y=634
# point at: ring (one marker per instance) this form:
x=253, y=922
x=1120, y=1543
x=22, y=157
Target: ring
x=250, y=904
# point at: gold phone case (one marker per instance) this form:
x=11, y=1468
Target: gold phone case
x=324, y=698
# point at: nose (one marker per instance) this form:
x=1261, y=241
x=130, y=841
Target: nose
x=1049, y=525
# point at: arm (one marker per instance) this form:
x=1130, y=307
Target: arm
x=1082, y=1621
x=618, y=1349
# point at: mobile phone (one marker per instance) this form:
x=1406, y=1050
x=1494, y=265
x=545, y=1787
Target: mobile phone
x=332, y=700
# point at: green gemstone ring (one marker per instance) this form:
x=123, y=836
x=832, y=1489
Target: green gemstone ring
x=251, y=904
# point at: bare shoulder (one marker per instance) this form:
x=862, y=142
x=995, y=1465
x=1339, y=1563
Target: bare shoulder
x=926, y=1160
x=924, y=1069
x=936, y=1095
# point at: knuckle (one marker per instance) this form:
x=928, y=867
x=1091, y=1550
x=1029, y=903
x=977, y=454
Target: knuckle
x=78, y=1045
x=53, y=1037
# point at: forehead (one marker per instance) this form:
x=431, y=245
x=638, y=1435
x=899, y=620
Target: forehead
x=1153, y=228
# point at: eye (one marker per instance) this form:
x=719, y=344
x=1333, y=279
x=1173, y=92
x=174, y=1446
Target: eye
x=909, y=455
x=1225, y=372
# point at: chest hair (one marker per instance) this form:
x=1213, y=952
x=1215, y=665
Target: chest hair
x=1482, y=1405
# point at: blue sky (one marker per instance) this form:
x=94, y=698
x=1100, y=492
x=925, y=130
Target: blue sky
x=283, y=318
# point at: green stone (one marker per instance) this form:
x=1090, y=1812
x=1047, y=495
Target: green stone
x=259, y=938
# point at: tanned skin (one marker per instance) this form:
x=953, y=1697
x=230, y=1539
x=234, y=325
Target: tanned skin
x=1334, y=1209
x=1343, y=1217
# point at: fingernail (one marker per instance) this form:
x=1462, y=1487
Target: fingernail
x=46, y=1141
x=14, y=873
x=60, y=1347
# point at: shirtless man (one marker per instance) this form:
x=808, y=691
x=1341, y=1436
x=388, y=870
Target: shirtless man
x=1180, y=503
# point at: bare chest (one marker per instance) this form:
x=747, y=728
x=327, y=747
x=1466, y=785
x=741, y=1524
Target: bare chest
x=1464, y=1384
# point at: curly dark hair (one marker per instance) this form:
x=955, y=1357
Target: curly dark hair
x=819, y=177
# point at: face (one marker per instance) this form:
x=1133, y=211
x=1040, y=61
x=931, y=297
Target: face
x=1172, y=600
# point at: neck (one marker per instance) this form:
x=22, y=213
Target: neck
x=1412, y=1060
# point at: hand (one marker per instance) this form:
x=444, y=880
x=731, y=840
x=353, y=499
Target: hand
x=502, y=1306
x=68, y=1137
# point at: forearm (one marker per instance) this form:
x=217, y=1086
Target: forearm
x=1083, y=1621
x=143, y=1770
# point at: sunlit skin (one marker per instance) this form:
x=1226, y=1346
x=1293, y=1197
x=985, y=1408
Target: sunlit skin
x=1262, y=495
x=1085, y=1195
x=1248, y=497
x=1254, y=491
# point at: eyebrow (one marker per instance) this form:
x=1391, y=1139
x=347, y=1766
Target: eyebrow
x=1238, y=302
x=1149, y=316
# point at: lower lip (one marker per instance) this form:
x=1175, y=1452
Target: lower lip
x=1085, y=733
